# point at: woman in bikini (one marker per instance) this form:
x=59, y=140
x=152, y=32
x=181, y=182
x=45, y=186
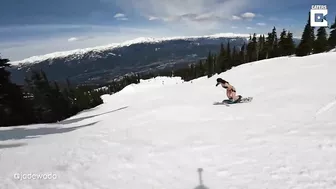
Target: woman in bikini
x=231, y=92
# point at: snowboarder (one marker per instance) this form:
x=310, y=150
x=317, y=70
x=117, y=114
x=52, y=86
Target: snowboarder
x=230, y=90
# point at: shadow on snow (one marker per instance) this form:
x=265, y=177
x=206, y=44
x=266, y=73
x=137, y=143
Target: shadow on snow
x=26, y=133
x=201, y=185
x=18, y=133
x=70, y=121
x=3, y=146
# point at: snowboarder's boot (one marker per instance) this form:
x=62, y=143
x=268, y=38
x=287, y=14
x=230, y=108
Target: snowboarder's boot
x=238, y=100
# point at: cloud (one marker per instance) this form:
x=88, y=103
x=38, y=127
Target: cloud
x=73, y=39
x=191, y=14
x=236, y=17
x=249, y=28
x=234, y=27
x=192, y=17
x=81, y=38
x=261, y=24
x=207, y=17
x=248, y=15
x=153, y=18
x=120, y=16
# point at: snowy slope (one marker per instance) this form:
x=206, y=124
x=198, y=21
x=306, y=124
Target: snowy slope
x=80, y=52
x=158, y=133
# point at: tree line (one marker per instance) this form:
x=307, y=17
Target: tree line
x=42, y=101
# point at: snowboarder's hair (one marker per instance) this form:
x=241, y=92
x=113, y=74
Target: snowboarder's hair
x=220, y=80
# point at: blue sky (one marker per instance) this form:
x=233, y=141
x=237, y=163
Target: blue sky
x=29, y=28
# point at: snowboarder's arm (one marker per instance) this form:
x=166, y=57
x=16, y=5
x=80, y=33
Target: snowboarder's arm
x=227, y=86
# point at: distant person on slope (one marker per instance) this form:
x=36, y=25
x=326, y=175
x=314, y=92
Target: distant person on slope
x=230, y=90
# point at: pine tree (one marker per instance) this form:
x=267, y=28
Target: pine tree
x=40, y=88
x=234, y=57
x=216, y=64
x=242, y=54
x=221, y=62
x=274, y=42
x=59, y=103
x=305, y=46
x=201, y=69
x=260, y=46
x=332, y=36
x=14, y=109
x=210, y=65
x=268, y=45
x=321, y=42
x=283, y=43
x=312, y=37
x=228, y=51
x=229, y=56
x=194, y=71
x=263, y=50
x=249, y=50
x=290, y=44
x=252, y=48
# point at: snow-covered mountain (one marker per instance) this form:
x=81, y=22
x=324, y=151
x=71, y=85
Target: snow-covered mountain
x=157, y=134
x=101, y=64
x=81, y=52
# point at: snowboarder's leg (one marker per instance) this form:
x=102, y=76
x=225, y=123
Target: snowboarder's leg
x=229, y=94
x=234, y=97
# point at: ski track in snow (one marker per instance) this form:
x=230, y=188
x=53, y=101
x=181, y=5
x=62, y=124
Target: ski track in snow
x=326, y=107
x=156, y=135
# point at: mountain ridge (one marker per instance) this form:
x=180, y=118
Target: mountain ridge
x=81, y=51
x=103, y=64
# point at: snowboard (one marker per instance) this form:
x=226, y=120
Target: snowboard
x=228, y=102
